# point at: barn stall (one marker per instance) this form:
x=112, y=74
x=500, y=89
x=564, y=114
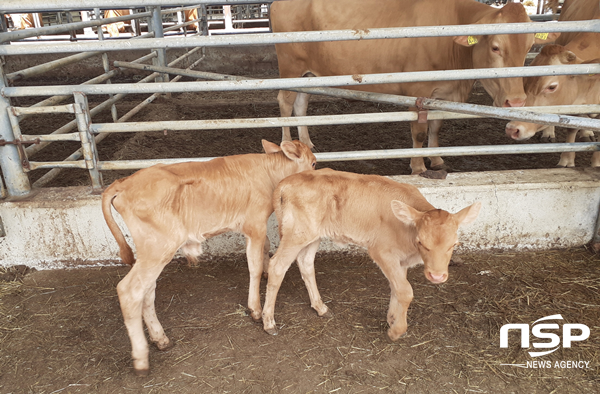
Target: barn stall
x=348, y=353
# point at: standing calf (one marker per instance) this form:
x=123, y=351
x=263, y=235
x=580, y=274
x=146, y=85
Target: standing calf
x=171, y=207
x=392, y=220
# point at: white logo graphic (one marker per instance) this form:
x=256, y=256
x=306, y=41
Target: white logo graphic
x=570, y=334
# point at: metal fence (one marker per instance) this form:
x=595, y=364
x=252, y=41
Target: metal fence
x=15, y=151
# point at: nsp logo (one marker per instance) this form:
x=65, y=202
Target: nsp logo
x=582, y=332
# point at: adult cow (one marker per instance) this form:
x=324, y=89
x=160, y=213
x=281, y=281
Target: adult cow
x=393, y=221
x=114, y=29
x=399, y=55
x=570, y=48
x=178, y=206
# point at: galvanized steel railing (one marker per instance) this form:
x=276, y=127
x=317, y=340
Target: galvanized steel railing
x=89, y=134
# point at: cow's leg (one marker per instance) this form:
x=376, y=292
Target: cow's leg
x=266, y=257
x=419, y=135
x=300, y=108
x=132, y=291
x=306, y=263
x=433, y=142
x=596, y=159
x=255, y=243
x=401, y=293
x=155, y=329
x=278, y=266
x=286, y=101
x=586, y=136
x=567, y=159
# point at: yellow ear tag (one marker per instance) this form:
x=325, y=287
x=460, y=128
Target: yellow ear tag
x=472, y=40
x=541, y=36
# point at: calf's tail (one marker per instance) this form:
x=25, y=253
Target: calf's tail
x=124, y=249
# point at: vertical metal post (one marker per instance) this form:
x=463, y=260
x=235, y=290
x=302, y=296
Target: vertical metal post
x=135, y=24
x=3, y=24
x=106, y=65
x=228, y=18
x=157, y=28
x=72, y=33
x=85, y=16
x=88, y=144
x=17, y=182
x=204, y=21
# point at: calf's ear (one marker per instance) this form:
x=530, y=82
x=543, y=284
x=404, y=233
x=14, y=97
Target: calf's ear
x=405, y=213
x=291, y=150
x=468, y=215
x=270, y=147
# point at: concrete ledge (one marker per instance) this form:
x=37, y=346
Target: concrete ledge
x=529, y=209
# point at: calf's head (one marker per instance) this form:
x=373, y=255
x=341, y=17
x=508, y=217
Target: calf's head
x=503, y=50
x=554, y=89
x=436, y=235
x=300, y=155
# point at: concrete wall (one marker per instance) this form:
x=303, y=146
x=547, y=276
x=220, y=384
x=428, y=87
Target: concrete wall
x=532, y=209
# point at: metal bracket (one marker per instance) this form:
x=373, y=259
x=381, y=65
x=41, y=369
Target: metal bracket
x=19, y=143
x=422, y=112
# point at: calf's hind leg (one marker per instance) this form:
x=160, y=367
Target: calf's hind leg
x=306, y=263
x=135, y=292
x=278, y=266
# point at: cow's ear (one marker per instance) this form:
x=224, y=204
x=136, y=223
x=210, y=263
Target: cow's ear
x=468, y=215
x=291, y=150
x=545, y=38
x=270, y=147
x=466, y=41
x=405, y=213
x=568, y=57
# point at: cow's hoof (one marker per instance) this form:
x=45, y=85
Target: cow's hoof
x=166, y=347
x=142, y=372
x=271, y=331
x=328, y=314
x=394, y=335
x=431, y=174
x=547, y=140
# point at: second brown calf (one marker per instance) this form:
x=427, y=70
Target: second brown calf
x=393, y=221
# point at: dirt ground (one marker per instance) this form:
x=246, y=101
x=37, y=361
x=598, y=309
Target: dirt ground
x=62, y=331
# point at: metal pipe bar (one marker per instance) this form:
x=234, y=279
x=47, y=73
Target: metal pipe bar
x=180, y=25
x=592, y=26
x=292, y=121
x=88, y=144
x=292, y=83
x=54, y=64
x=8, y=6
x=52, y=137
x=36, y=165
x=56, y=29
x=67, y=109
x=16, y=180
x=387, y=154
x=50, y=175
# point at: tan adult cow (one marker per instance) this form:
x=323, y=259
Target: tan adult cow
x=399, y=55
x=570, y=48
x=25, y=21
x=114, y=29
x=393, y=221
x=178, y=206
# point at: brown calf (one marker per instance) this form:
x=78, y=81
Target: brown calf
x=392, y=220
x=178, y=206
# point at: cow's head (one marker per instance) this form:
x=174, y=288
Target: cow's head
x=504, y=50
x=554, y=89
x=300, y=155
x=436, y=235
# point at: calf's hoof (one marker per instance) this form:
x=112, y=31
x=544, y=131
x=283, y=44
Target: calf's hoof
x=396, y=333
x=256, y=316
x=142, y=372
x=165, y=347
x=271, y=331
x=328, y=314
